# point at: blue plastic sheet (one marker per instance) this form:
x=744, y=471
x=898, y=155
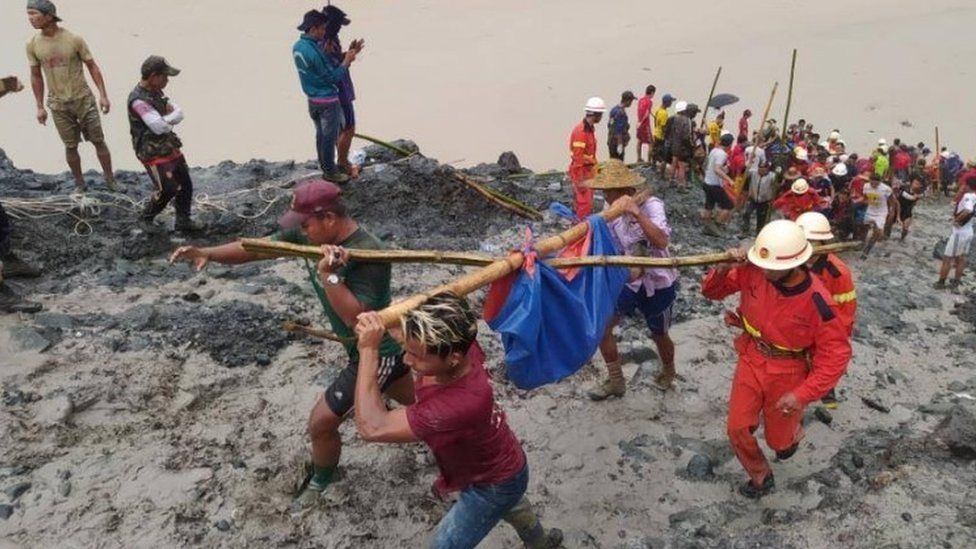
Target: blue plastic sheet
x=551, y=326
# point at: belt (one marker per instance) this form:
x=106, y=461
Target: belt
x=771, y=350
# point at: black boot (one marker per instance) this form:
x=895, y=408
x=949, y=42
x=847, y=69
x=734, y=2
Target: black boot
x=752, y=491
x=186, y=225
x=783, y=455
x=14, y=267
x=10, y=302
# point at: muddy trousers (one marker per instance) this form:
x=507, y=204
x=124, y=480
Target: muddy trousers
x=758, y=385
x=582, y=194
x=170, y=179
x=5, y=230
x=479, y=508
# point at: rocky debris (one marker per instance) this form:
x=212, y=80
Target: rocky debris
x=510, y=162
x=958, y=432
x=26, y=339
x=874, y=404
x=700, y=468
x=15, y=491
x=6, y=510
x=54, y=411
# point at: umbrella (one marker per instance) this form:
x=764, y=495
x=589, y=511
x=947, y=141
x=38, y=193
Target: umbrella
x=723, y=100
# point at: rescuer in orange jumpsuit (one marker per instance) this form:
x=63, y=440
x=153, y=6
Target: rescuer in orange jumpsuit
x=793, y=349
x=582, y=148
x=835, y=276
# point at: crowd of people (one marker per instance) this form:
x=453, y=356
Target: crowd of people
x=796, y=309
x=769, y=173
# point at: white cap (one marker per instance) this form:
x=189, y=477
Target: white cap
x=882, y=142
x=945, y=154
x=596, y=104
x=840, y=170
x=834, y=136
x=780, y=246
x=680, y=106
x=800, y=153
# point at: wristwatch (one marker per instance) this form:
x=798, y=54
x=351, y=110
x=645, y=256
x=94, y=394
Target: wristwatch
x=332, y=280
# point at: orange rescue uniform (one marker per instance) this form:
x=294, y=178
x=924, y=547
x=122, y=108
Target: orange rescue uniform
x=837, y=279
x=582, y=167
x=794, y=341
x=792, y=204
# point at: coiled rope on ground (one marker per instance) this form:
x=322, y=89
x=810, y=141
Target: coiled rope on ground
x=87, y=207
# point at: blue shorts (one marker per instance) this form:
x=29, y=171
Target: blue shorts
x=656, y=308
x=348, y=115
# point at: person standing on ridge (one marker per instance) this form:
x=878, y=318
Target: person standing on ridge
x=645, y=123
x=582, y=150
x=618, y=126
x=56, y=56
x=347, y=92
x=320, y=76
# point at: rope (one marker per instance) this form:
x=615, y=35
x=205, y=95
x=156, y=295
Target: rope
x=85, y=208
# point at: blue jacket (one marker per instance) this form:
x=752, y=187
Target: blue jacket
x=318, y=74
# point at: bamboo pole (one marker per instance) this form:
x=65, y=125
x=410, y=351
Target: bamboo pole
x=272, y=249
x=789, y=95
x=711, y=94
x=498, y=269
x=762, y=124
x=938, y=161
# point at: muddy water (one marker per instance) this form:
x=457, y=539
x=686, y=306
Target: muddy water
x=468, y=80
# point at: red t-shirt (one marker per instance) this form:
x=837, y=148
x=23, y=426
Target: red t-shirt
x=465, y=429
x=644, y=106
x=902, y=161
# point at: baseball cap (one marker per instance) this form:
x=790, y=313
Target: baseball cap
x=44, y=6
x=313, y=18
x=155, y=64
x=628, y=96
x=668, y=98
x=309, y=199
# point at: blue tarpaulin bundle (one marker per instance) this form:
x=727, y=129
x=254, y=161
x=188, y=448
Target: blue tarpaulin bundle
x=551, y=322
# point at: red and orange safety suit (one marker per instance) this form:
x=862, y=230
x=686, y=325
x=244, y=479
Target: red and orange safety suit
x=582, y=167
x=793, y=341
x=837, y=279
x=792, y=204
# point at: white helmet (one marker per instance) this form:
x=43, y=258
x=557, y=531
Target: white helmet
x=780, y=246
x=800, y=186
x=815, y=225
x=596, y=104
x=800, y=153
x=680, y=106
x=834, y=136
x=840, y=170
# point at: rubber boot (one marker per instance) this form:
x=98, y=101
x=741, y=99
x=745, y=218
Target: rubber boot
x=752, y=491
x=15, y=267
x=186, y=225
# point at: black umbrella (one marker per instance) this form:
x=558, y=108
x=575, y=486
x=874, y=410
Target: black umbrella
x=722, y=100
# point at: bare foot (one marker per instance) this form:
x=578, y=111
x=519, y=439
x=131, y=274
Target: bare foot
x=665, y=379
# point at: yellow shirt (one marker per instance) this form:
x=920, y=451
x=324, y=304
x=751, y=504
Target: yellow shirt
x=660, y=119
x=61, y=58
x=714, y=132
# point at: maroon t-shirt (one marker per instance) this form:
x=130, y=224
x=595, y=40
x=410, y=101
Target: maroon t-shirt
x=465, y=430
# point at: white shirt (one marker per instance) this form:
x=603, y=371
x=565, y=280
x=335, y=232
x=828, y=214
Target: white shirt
x=877, y=200
x=718, y=157
x=966, y=204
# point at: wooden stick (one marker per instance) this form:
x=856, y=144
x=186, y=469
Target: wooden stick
x=938, y=161
x=789, y=95
x=500, y=199
x=382, y=143
x=762, y=124
x=296, y=328
x=689, y=261
x=711, y=94
x=498, y=269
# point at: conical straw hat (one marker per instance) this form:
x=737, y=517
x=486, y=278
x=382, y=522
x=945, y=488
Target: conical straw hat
x=614, y=174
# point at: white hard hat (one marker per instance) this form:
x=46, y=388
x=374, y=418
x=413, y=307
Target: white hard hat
x=800, y=153
x=800, y=186
x=834, y=136
x=680, y=106
x=815, y=225
x=840, y=170
x=882, y=142
x=780, y=246
x=596, y=104
x=844, y=157
x=945, y=154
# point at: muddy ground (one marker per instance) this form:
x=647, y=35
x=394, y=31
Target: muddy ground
x=151, y=406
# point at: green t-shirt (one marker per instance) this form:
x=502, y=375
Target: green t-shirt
x=369, y=282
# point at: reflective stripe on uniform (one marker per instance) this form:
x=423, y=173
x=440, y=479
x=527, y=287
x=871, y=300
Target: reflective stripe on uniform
x=751, y=330
x=579, y=144
x=845, y=297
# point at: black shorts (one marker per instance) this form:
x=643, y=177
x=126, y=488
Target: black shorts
x=905, y=212
x=716, y=196
x=341, y=393
x=661, y=151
